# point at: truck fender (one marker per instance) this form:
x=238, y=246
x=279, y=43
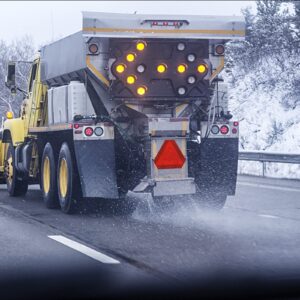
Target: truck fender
x=23, y=157
x=14, y=131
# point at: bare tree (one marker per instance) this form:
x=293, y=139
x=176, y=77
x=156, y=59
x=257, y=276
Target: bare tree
x=19, y=50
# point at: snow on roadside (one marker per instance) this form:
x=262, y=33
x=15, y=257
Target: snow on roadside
x=269, y=115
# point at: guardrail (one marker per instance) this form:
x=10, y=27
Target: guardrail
x=265, y=157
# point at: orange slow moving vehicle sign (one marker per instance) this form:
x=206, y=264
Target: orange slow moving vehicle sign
x=169, y=156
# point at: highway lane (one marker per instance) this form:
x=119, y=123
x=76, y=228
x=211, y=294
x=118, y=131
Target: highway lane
x=31, y=260
x=257, y=232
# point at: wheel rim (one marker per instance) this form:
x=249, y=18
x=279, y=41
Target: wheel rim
x=63, y=178
x=10, y=169
x=46, y=175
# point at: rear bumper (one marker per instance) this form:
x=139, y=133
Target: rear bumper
x=167, y=187
x=172, y=187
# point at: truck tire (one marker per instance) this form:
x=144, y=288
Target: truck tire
x=68, y=193
x=16, y=185
x=48, y=177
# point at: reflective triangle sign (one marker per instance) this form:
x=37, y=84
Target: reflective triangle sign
x=169, y=156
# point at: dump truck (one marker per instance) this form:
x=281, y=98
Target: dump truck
x=129, y=103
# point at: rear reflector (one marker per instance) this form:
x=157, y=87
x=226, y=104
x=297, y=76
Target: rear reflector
x=169, y=156
x=98, y=131
x=215, y=129
x=234, y=130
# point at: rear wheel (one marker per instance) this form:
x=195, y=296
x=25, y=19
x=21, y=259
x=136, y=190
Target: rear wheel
x=68, y=193
x=16, y=185
x=48, y=180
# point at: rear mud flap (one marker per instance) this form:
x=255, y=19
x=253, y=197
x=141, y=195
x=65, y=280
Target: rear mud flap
x=96, y=167
x=213, y=164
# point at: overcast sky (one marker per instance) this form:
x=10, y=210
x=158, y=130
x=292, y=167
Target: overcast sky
x=46, y=21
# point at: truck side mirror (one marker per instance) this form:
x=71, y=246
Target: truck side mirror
x=10, y=80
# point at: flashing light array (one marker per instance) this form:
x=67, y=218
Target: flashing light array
x=161, y=68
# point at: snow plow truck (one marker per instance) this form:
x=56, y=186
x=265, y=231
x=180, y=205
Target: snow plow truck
x=129, y=103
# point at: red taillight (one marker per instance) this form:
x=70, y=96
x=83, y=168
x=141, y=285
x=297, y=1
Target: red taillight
x=88, y=131
x=76, y=126
x=224, y=129
x=235, y=123
x=169, y=156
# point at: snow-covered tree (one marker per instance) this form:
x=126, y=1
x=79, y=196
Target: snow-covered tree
x=264, y=77
x=19, y=50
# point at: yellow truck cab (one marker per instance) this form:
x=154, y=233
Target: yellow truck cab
x=15, y=132
x=2, y=180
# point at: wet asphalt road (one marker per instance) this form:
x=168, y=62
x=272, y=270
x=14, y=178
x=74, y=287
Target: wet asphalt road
x=258, y=232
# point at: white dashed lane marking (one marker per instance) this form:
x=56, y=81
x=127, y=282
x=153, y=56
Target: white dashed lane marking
x=84, y=249
x=268, y=216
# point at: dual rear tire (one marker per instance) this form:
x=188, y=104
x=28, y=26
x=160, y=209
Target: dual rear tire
x=58, y=179
x=48, y=177
x=68, y=192
x=60, y=183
